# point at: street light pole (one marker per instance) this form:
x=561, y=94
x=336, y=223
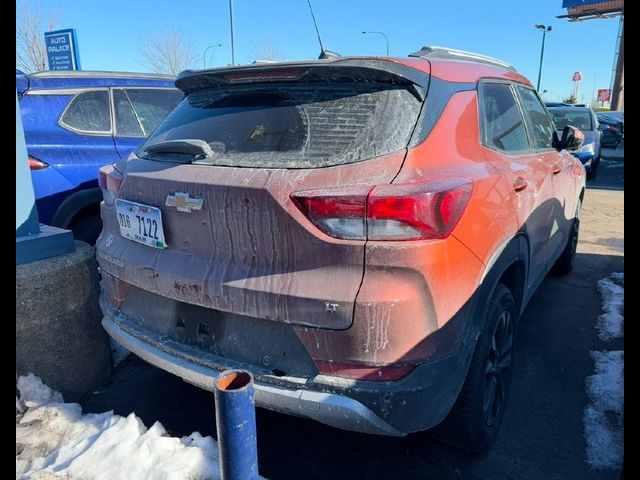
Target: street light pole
x=544, y=29
x=385, y=38
x=204, y=56
x=233, y=53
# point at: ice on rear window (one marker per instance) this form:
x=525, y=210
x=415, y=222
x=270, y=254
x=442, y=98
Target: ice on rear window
x=292, y=126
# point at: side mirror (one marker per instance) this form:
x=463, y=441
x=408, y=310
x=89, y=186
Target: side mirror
x=603, y=126
x=572, y=139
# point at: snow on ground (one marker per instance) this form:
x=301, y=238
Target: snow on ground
x=55, y=440
x=604, y=415
x=118, y=352
x=611, y=323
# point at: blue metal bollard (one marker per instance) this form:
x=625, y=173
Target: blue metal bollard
x=236, y=425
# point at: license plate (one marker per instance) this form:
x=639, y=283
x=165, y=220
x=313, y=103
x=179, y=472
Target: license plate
x=140, y=223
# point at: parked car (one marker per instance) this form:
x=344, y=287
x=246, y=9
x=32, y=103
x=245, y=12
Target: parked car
x=583, y=118
x=614, y=122
x=362, y=244
x=77, y=121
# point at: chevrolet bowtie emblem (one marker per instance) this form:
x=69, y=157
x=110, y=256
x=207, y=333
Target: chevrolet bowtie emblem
x=183, y=202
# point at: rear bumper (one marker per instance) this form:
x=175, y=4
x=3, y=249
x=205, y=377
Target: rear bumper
x=394, y=408
x=334, y=410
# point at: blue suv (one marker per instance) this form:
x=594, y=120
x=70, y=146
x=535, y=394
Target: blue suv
x=76, y=122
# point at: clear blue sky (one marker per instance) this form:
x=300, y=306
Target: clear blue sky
x=109, y=33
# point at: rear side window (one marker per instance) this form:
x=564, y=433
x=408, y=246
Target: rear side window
x=502, y=124
x=292, y=126
x=127, y=124
x=151, y=105
x=88, y=112
x=542, y=127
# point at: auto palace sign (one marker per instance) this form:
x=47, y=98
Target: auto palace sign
x=62, y=49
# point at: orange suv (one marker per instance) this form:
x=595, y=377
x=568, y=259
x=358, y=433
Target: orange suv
x=360, y=233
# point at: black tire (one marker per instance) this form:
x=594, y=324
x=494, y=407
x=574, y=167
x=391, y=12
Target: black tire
x=476, y=416
x=594, y=170
x=87, y=229
x=565, y=262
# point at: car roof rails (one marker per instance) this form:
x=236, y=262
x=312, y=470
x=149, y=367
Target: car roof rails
x=452, y=54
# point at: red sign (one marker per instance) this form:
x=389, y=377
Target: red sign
x=604, y=95
x=577, y=77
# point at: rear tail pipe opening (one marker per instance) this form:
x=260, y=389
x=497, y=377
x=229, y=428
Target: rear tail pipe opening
x=236, y=425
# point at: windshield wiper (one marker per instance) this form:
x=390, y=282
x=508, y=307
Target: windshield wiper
x=199, y=149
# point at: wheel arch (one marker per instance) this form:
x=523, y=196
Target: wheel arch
x=81, y=202
x=509, y=266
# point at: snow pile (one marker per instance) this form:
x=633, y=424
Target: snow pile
x=34, y=393
x=55, y=440
x=604, y=417
x=611, y=323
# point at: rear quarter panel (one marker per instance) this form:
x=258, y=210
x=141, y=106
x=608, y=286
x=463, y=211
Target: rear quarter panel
x=413, y=289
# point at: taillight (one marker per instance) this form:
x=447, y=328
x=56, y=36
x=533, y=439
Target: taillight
x=416, y=211
x=612, y=128
x=35, y=164
x=409, y=211
x=109, y=181
x=339, y=213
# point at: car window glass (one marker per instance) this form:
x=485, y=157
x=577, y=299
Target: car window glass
x=152, y=105
x=580, y=119
x=541, y=124
x=89, y=112
x=127, y=124
x=292, y=125
x=502, y=122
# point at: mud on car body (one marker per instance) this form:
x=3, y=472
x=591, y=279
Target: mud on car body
x=360, y=233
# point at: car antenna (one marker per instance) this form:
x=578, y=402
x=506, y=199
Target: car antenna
x=323, y=53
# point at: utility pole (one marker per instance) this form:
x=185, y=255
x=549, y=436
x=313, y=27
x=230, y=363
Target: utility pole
x=617, y=94
x=544, y=29
x=233, y=53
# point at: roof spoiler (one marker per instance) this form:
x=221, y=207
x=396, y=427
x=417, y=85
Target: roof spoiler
x=334, y=69
x=452, y=54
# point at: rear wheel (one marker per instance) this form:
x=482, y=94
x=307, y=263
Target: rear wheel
x=477, y=414
x=565, y=262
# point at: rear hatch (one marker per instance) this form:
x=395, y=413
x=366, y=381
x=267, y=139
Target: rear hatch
x=232, y=155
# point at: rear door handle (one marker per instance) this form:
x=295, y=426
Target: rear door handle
x=556, y=169
x=519, y=184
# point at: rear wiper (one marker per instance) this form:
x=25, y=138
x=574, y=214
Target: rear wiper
x=188, y=146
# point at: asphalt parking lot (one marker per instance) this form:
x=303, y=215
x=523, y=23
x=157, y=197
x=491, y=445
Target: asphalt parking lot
x=542, y=435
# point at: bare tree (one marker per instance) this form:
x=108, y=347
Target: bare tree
x=32, y=20
x=168, y=51
x=266, y=50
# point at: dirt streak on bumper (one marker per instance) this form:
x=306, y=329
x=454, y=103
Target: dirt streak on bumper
x=332, y=409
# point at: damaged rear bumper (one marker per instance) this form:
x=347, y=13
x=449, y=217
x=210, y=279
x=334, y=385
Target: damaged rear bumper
x=334, y=410
x=416, y=402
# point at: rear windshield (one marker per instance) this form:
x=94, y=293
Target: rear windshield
x=291, y=126
x=580, y=120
